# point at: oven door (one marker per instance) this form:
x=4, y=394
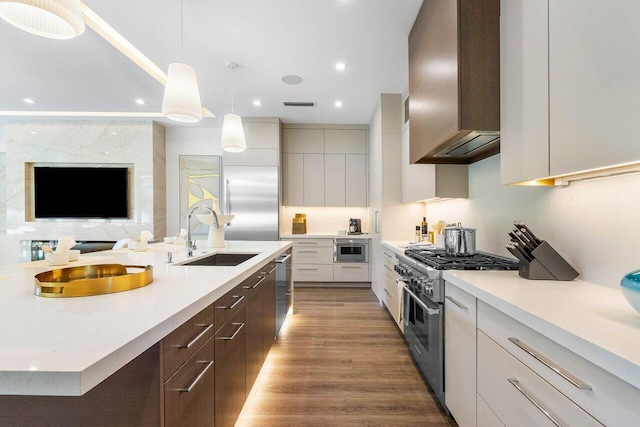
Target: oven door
x=350, y=250
x=424, y=332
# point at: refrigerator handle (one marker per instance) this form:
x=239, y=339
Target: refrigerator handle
x=228, y=198
x=376, y=223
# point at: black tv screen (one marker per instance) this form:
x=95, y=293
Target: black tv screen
x=81, y=192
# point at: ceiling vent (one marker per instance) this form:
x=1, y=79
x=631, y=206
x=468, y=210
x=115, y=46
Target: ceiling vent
x=298, y=104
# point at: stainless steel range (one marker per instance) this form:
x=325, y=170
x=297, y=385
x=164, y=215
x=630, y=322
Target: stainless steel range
x=423, y=299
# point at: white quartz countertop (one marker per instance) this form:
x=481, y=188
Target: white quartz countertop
x=593, y=321
x=325, y=236
x=66, y=346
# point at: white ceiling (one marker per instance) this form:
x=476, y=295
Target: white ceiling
x=267, y=38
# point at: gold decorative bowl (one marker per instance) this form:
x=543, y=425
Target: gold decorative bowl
x=88, y=280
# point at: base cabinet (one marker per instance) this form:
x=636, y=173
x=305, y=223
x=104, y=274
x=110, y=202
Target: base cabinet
x=188, y=397
x=254, y=334
x=460, y=355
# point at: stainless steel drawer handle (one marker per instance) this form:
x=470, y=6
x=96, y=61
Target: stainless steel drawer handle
x=239, y=325
x=272, y=270
x=457, y=303
x=307, y=243
x=351, y=267
x=208, y=364
x=387, y=255
x=388, y=268
x=387, y=292
x=232, y=306
x=307, y=269
x=549, y=364
x=307, y=252
x=207, y=328
x=256, y=285
x=514, y=382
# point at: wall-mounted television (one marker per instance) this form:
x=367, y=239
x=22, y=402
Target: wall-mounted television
x=83, y=192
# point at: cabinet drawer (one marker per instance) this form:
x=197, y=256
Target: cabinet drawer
x=606, y=397
x=390, y=260
x=355, y=272
x=183, y=342
x=518, y=396
x=188, y=397
x=312, y=242
x=391, y=286
x=229, y=304
x=485, y=416
x=313, y=273
x=313, y=255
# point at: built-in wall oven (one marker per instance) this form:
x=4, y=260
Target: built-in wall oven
x=350, y=250
x=423, y=298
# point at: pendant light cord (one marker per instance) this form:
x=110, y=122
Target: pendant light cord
x=232, y=90
x=182, y=30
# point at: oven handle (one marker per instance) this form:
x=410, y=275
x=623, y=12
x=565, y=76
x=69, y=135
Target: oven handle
x=430, y=311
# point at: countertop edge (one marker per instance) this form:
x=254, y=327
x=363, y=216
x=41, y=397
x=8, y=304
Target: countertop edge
x=608, y=360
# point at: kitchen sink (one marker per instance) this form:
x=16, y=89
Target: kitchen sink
x=224, y=259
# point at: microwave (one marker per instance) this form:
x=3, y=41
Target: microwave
x=351, y=250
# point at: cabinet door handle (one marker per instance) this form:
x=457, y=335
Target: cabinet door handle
x=387, y=255
x=272, y=270
x=197, y=337
x=352, y=267
x=514, y=382
x=388, y=268
x=549, y=364
x=307, y=269
x=457, y=303
x=307, y=252
x=256, y=285
x=240, y=298
x=387, y=292
x=239, y=325
x=208, y=364
x=307, y=243
x=376, y=222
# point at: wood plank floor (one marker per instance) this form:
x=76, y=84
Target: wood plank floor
x=340, y=360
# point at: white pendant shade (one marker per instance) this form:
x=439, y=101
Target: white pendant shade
x=233, y=134
x=181, y=102
x=55, y=19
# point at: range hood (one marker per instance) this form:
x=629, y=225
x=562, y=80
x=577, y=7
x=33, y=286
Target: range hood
x=465, y=147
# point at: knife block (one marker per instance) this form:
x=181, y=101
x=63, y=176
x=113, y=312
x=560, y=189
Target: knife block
x=547, y=264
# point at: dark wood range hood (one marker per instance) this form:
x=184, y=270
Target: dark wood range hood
x=454, y=81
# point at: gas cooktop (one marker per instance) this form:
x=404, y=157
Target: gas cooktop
x=440, y=260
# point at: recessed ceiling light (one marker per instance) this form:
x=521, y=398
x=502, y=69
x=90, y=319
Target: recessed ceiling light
x=114, y=133
x=341, y=66
x=30, y=101
x=257, y=103
x=292, y=79
x=33, y=132
x=338, y=104
x=140, y=101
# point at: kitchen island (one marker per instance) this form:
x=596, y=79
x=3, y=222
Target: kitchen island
x=68, y=346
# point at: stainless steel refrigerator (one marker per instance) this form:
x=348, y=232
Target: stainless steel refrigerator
x=251, y=194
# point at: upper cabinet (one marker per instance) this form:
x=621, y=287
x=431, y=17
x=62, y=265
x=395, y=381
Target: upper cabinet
x=570, y=88
x=325, y=165
x=454, y=81
x=263, y=143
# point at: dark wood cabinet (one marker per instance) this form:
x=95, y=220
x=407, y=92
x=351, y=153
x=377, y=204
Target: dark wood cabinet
x=255, y=328
x=230, y=369
x=454, y=79
x=269, y=291
x=188, y=394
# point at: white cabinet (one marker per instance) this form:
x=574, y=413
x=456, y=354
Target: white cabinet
x=263, y=143
x=313, y=260
x=421, y=182
x=460, y=355
x=351, y=272
x=573, y=390
x=325, y=167
x=392, y=297
x=569, y=95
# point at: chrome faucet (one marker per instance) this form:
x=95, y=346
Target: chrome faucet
x=192, y=245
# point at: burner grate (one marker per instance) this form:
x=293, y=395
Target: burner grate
x=439, y=260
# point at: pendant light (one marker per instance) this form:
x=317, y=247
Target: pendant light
x=54, y=19
x=233, y=139
x=181, y=101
